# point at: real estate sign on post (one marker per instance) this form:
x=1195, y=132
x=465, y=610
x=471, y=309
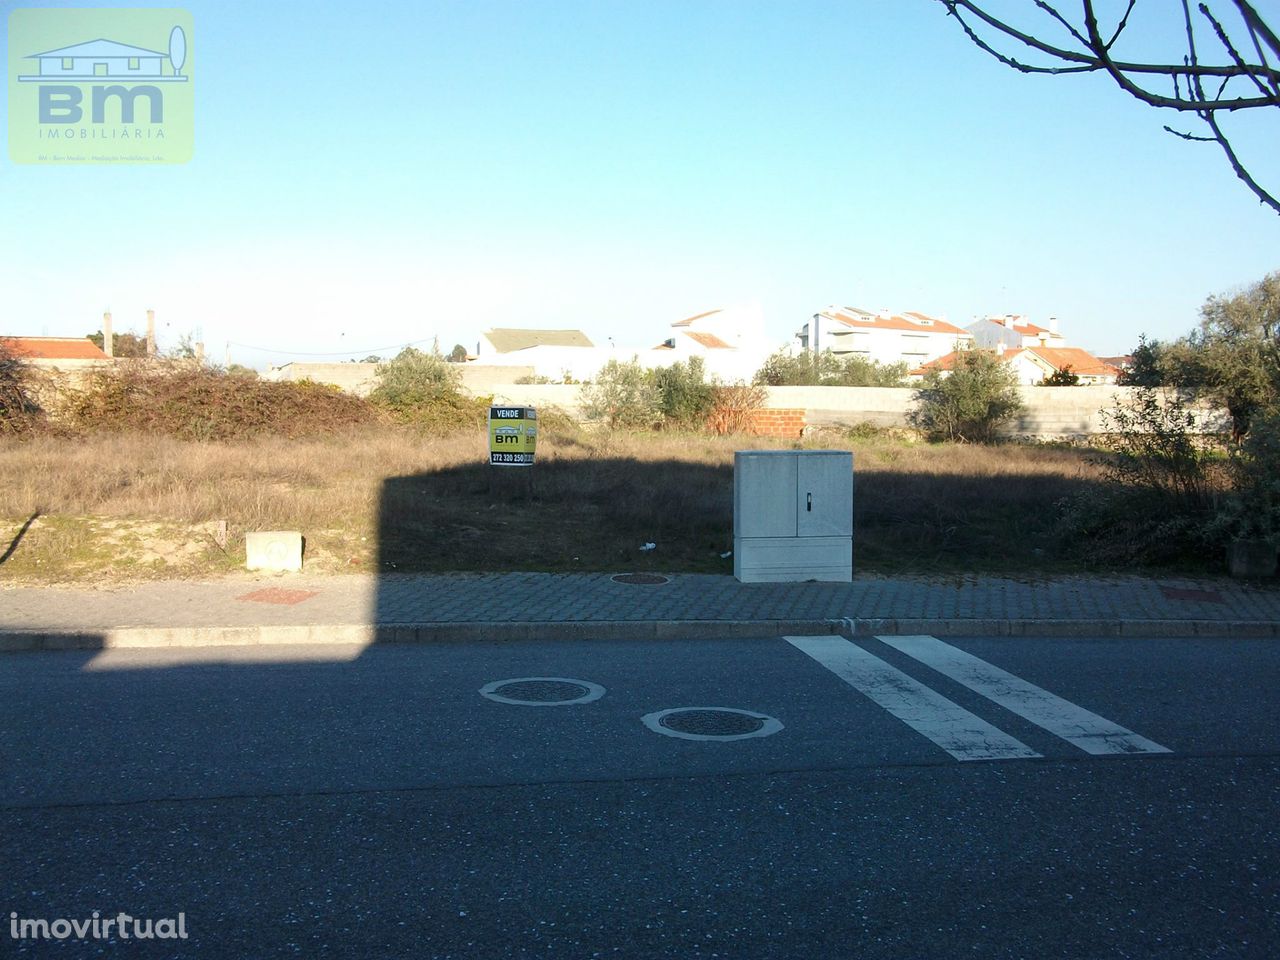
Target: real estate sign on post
x=513, y=434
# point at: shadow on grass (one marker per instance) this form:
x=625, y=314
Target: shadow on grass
x=22, y=532
x=594, y=515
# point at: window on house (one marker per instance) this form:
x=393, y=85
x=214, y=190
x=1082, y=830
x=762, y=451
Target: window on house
x=133, y=63
x=68, y=63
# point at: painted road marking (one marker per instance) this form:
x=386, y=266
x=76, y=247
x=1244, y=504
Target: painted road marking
x=1088, y=731
x=962, y=734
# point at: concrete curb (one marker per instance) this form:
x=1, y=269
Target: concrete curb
x=112, y=638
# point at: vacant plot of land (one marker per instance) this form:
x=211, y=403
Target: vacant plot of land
x=392, y=500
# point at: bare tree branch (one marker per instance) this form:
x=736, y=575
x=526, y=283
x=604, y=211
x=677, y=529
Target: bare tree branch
x=1095, y=55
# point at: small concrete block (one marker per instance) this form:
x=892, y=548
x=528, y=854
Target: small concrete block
x=279, y=550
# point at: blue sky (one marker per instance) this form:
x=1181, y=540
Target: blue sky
x=366, y=176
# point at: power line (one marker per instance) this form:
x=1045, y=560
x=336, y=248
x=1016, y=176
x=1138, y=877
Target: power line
x=343, y=353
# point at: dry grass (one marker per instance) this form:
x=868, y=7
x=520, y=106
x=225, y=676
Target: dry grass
x=392, y=499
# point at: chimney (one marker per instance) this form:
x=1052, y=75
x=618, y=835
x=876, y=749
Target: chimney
x=1010, y=320
x=1053, y=325
x=1000, y=348
x=108, y=338
x=200, y=354
x=151, y=333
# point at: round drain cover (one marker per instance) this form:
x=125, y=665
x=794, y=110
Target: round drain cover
x=711, y=723
x=644, y=579
x=542, y=691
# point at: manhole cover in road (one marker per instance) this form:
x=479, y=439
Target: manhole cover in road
x=644, y=579
x=542, y=691
x=711, y=723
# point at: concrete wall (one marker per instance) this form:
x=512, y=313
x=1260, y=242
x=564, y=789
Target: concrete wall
x=361, y=378
x=357, y=378
x=1050, y=411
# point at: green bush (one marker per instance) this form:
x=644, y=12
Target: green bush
x=685, y=398
x=414, y=379
x=970, y=403
x=825, y=369
x=423, y=390
x=1252, y=512
x=622, y=395
x=1066, y=377
x=1165, y=485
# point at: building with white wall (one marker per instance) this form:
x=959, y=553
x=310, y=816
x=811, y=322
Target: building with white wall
x=1033, y=365
x=1015, y=332
x=911, y=338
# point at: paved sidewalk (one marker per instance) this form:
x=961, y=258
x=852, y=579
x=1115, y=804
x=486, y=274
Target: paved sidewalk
x=251, y=609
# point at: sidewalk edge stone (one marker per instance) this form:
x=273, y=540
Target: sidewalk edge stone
x=14, y=641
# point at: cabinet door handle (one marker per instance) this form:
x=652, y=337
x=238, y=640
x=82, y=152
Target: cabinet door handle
x=809, y=502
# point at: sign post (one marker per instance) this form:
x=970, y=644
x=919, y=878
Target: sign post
x=513, y=438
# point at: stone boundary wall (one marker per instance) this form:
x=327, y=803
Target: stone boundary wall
x=361, y=378
x=1050, y=412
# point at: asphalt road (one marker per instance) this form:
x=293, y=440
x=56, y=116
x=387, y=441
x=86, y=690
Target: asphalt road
x=348, y=803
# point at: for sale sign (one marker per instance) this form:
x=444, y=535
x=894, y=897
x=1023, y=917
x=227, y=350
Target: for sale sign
x=513, y=434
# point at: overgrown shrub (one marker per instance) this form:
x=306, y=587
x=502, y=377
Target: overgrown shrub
x=1252, y=512
x=825, y=369
x=622, y=394
x=1164, y=487
x=415, y=378
x=685, y=398
x=196, y=403
x=1155, y=446
x=19, y=413
x=423, y=390
x=970, y=403
x=733, y=407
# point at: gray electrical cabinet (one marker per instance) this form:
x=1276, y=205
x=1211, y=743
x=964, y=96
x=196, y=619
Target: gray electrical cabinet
x=792, y=515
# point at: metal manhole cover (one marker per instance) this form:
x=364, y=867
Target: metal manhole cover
x=644, y=579
x=542, y=691
x=711, y=723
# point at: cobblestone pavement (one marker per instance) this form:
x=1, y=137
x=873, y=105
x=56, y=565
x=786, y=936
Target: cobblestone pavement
x=561, y=598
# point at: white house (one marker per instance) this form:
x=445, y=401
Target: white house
x=1014, y=331
x=911, y=338
x=552, y=353
x=1033, y=365
x=730, y=340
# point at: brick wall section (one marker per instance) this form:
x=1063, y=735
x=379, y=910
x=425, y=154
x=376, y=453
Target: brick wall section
x=787, y=423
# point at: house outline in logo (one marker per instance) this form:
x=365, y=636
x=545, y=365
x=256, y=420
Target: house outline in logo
x=103, y=59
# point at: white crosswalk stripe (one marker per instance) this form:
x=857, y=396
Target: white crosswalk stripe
x=961, y=733
x=1088, y=731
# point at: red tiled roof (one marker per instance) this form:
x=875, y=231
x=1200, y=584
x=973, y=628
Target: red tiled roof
x=688, y=321
x=1081, y=362
x=708, y=340
x=859, y=320
x=945, y=362
x=53, y=348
